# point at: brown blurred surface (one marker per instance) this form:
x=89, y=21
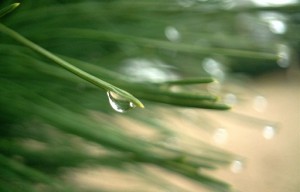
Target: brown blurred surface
x=272, y=165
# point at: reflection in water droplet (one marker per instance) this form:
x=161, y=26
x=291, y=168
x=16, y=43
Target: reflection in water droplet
x=269, y=132
x=118, y=103
x=236, y=166
x=260, y=103
x=220, y=136
x=172, y=33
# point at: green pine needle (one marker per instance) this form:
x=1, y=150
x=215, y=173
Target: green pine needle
x=82, y=74
x=8, y=9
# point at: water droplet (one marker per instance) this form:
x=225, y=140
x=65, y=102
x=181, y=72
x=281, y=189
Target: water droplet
x=269, y=132
x=264, y=3
x=119, y=103
x=172, y=33
x=214, y=68
x=147, y=70
x=277, y=26
x=220, y=136
x=260, y=103
x=236, y=166
x=284, y=56
x=230, y=99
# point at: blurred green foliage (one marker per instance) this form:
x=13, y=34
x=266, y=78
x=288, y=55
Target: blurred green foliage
x=42, y=102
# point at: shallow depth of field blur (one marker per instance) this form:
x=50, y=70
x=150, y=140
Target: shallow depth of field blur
x=60, y=133
x=270, y=157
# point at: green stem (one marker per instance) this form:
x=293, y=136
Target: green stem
x=80, y=73
x=188, y=81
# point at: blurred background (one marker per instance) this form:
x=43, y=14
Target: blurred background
x=60, y=133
